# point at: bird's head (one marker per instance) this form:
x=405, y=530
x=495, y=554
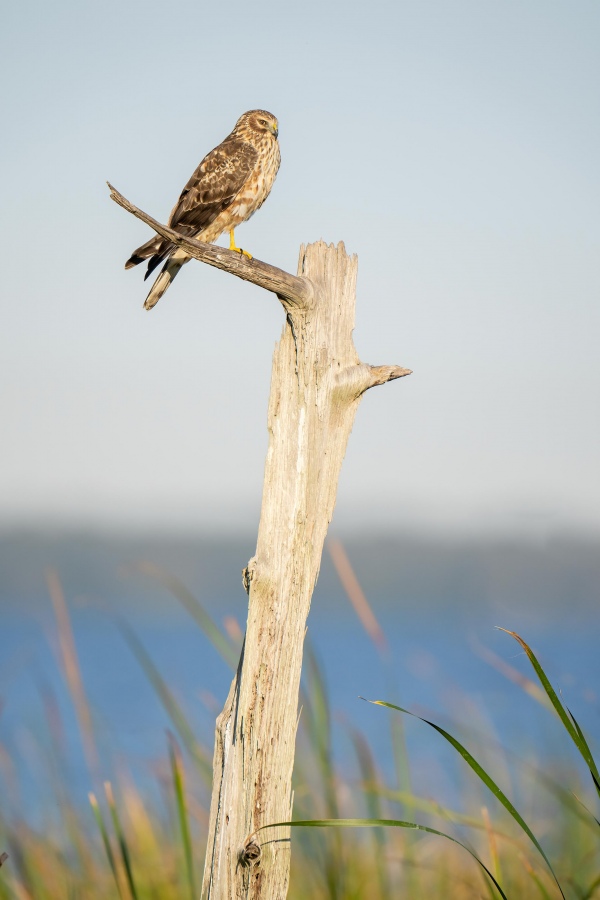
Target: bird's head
x=259, y=121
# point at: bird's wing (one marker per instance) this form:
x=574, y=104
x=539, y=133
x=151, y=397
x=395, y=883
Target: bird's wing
x=214, y=185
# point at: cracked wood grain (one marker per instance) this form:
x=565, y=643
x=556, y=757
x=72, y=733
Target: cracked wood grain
x=316, y=386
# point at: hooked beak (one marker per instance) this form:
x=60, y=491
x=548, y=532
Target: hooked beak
x=274, y=126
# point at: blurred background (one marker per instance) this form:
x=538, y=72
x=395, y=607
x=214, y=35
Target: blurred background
x=454, y=147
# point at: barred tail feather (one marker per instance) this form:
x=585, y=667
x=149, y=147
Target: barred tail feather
x=167, y=274
x=144, y=252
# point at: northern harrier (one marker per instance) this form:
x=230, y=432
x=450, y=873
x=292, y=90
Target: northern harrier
x=228, y=186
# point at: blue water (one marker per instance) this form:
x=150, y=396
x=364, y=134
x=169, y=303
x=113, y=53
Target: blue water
x=434, y=667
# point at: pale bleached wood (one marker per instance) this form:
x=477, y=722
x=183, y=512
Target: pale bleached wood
x=317, y=383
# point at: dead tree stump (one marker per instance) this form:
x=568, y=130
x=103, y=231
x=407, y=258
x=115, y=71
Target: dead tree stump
x=316, y=385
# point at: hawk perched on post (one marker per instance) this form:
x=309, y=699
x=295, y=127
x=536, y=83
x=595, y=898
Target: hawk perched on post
x=228, y=186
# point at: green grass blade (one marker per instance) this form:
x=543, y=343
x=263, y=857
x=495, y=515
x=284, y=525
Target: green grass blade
x=594, y=771
x=122, y=842
x=73, y=676
x=368, y=773
x=173, y=709
x=383, y=823
x=540, y=886
x=588, y=811
x=400, y=752
x=432, y=807
x=318, y=718
x=564, y=715
x=195, y=609
x=592, y=889
x=483, y=775
x=106, y=841
x=179, y=787
x=317, y=721
x=374, y=805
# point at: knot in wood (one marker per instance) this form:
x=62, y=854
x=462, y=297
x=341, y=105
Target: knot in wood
x=250, y=853
x=248, y=574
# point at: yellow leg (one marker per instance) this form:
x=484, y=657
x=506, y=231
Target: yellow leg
x=232, y=246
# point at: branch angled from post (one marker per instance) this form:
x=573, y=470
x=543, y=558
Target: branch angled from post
x=294, y=292
x=355, y=380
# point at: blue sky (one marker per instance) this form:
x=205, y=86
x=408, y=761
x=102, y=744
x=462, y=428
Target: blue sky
x=453, y=146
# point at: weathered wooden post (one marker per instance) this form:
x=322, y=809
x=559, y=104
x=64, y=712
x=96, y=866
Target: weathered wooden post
x=316, y=385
